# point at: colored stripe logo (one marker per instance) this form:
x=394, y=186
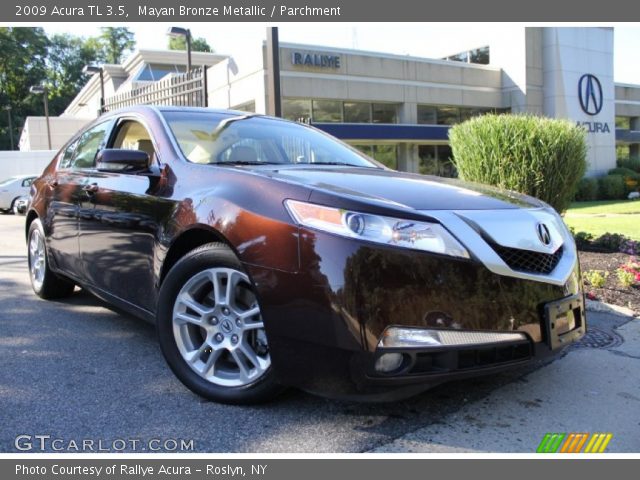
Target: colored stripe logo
x=574, y=443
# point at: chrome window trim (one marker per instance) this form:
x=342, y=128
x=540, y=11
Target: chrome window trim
x=484, y=253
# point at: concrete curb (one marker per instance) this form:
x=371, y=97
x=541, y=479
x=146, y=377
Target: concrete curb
x=601, y=307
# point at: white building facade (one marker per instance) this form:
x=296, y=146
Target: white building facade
x=398, y=109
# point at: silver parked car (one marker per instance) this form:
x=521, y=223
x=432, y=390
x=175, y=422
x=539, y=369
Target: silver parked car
x=13, y=188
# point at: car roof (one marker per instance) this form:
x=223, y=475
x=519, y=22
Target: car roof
x=164, y=109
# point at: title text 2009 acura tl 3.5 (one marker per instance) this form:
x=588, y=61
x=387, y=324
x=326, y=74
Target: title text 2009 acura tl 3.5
x=270, y=254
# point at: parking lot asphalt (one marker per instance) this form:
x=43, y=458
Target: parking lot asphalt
x=78, y=370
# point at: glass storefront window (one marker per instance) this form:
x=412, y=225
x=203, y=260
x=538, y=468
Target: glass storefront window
x=296, y=109
x=436, y=160
x=428, y=160
x=623, y=151
x=427, y=115
x=327, y=111
x=448, y=115
x=479, y=56
x=366, y=149
x=467, y=113
x=357, y=112
x=385, y=113
x=385, y=154
x=246, y=107
x=623, y=122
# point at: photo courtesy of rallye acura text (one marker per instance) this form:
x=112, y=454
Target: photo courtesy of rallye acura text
x=270, y=254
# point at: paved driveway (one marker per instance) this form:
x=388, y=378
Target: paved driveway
x=77, y=370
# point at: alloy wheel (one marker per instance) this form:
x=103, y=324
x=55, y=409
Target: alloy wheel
x=218, y=328
x=37, y=259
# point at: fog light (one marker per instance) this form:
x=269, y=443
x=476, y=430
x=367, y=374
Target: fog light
x=388, y=362
x=396, y=337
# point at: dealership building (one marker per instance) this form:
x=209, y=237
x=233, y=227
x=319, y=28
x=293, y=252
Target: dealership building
x=398, y=109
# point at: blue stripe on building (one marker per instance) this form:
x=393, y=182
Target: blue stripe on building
x=385, y=131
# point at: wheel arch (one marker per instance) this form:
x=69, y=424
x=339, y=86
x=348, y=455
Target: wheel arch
x=188, y=240
x=31, y=216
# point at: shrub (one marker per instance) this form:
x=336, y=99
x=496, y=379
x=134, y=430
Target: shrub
x=583, y=239
x=631, y=178
x=632, y=163
x=624, y=171
x=626, y=278
x=610, y=242
x=629, y=274
x=587, y=190
x=537, y=156
x=612, y=187
x=596, y=278
x=630, y=247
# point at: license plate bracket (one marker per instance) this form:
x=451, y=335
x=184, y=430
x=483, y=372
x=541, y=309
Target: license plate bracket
x=564, y=321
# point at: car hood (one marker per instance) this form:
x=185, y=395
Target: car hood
x=418, y=192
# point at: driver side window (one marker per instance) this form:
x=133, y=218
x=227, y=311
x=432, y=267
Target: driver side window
x=88, y=146
x=133, y=135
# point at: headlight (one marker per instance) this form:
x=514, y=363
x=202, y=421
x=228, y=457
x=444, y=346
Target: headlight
x=430, y=237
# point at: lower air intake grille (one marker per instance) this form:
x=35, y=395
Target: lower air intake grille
x=528, y=261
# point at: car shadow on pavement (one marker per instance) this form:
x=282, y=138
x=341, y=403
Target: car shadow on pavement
x=79, y=368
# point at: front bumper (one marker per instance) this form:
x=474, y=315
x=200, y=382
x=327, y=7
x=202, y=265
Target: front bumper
x=324, y=323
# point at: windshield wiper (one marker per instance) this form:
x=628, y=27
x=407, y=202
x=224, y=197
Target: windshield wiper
x=346, y=164
x=247, y=162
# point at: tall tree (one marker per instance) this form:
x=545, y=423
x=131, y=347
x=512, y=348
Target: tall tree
x=116, y=41
x=68, y=55
x=22, y=64
x=197, y=44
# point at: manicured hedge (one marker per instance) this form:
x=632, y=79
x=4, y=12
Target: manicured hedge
x=538, y=156
x=588, y=190
x=612, y=187
x=632, y=163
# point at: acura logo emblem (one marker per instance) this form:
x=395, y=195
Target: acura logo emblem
x=590, y=94
x=226, y=326
x=543, y=234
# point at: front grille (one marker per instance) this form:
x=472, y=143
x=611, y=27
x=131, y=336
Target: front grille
x=528, y=261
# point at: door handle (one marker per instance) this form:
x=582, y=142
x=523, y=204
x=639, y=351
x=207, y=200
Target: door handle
x=90, y=189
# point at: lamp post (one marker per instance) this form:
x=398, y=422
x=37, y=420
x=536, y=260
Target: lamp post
x=186, y=33
x=8, y=109
x=45, y=98
x=92, y=69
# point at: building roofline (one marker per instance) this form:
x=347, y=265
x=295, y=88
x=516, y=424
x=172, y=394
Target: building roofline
x=392, y=56
x=627, y=85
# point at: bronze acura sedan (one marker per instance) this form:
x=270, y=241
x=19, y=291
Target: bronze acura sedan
x=269, y=254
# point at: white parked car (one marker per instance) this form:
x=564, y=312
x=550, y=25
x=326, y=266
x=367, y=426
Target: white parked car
x=13, y=188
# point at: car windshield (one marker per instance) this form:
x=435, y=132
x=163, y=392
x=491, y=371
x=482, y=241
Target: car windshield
x=216, y=138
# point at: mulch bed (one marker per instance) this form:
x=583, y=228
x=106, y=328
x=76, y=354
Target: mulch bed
x=612, y=292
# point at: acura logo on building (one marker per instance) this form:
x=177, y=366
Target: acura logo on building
x=590, y=94
x=543, y=234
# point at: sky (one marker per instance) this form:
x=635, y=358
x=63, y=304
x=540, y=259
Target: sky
x=416, y=39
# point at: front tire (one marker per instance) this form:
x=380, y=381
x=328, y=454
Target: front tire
x=211, y=331
x=45, y=283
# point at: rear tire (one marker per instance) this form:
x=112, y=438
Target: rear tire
x=45, y=283
x=12, y=208
x=210, y=328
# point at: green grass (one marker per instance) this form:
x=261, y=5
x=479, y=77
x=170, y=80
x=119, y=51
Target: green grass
x=629, y=227
x=605, y=206
x=591, y=217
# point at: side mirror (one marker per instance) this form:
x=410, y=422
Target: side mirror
x=122, y=161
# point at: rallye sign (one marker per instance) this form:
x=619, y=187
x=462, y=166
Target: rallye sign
x=315, y=60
